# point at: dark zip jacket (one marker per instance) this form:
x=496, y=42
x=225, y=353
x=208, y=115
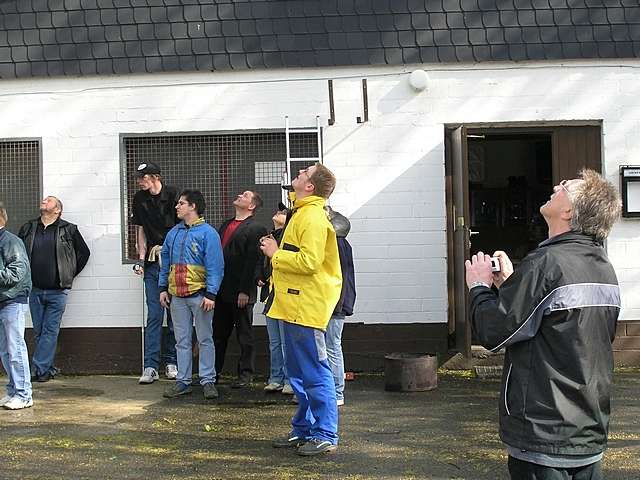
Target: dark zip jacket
x=342, y=226
x=15, y=274
x=556, y=316
x=72, y=252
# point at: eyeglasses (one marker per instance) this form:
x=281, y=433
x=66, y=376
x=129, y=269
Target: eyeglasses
x=563, y=184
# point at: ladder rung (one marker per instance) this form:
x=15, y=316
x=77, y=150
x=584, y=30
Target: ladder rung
x=303, y=130
x=304, y=159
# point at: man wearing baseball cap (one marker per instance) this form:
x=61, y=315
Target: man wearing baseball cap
x=154, y=214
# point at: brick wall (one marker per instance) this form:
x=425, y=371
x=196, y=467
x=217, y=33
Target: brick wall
x=627, y=344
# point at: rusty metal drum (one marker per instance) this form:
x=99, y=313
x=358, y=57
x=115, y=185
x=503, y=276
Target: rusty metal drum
x=410, y=372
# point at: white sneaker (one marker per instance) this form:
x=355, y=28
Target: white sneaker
x=171, y=371
x=17, y=403
x=149, y=375
x=5, y=399
x=287, y=390
x=340, y=402
x=273, y=387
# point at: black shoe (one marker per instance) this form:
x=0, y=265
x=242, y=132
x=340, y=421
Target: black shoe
x=45, y=377
x=242, y=381
x=210, y=391
x=290, y=441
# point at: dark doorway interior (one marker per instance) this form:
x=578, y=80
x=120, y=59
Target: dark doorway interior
x=510, y=176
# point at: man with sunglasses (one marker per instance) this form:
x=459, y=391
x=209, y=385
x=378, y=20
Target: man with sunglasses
x=556, y=317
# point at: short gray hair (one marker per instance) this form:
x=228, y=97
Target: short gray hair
x=596, y=205
x=4, y=218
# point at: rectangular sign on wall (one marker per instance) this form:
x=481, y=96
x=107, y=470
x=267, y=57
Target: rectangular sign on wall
x=630, y=190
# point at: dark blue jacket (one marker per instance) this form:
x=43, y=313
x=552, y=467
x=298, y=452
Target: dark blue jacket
x=342, y=226
x=348, y=293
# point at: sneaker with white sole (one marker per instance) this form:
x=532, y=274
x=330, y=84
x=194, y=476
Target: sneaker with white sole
x=171, y=371
x=290, y=441
x=287, y=390
x=273, y=387
x=315, y=446
x=149, y=375
x=17, y=403
x=5, y=399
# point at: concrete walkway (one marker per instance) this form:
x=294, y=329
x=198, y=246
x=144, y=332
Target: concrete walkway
x=109, y=427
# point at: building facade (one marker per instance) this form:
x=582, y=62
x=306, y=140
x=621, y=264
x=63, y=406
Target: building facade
x=507, y=100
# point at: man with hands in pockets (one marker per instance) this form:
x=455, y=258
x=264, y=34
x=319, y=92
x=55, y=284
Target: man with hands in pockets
x=555, y=315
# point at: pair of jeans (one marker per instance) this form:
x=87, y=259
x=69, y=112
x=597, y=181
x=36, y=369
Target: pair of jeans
x=333, y=337
x=278, y=371
x=13, y=350
x=47, y=308
x=312, y=381
x=187, y=312
x=228, y=316
x=154, y=334
x=521, y=470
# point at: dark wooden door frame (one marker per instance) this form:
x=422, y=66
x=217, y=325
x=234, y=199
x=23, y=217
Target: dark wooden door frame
x=575, y=144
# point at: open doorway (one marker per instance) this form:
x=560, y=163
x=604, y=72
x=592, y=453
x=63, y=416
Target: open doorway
x=509, y=178
x=497, y=177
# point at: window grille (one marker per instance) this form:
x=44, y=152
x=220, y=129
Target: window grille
x=219, y=165
x=20, y=187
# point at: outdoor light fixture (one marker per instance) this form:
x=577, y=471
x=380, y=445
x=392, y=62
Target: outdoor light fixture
x=418, y=80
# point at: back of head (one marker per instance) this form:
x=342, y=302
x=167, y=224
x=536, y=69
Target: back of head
x=323, y=180
x=596, y=206
x=341, y=224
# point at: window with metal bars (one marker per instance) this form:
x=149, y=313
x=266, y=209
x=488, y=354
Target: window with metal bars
x=20, y=181
x=220, y=165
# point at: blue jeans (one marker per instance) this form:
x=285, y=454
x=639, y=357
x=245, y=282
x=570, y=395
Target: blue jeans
x=13, y=350
x=47, y=307
x=278, y=372
x=333, y=337
x=154, y=334
x=312, y=382
x=186, y=311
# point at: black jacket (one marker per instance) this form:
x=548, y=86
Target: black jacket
x=556, y=315
x=72, y=252
x=263, y=268
x=241, y=256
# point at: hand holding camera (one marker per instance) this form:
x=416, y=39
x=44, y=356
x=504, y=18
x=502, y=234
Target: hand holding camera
x=505, y=268
x=483, y=269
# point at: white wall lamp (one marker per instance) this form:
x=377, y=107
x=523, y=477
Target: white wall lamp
x=418, y=80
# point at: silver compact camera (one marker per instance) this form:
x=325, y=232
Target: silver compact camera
x=495, y=264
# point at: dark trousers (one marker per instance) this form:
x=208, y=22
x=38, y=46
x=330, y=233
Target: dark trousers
x=521, y=470
x=227, y=315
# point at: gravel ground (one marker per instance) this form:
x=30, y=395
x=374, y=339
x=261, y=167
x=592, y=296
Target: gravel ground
x=109, y=427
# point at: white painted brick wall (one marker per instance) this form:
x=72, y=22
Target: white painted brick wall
x=390, y=170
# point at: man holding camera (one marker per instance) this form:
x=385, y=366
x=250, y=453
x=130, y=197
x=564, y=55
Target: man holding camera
x=556, y=316
x=154, y=214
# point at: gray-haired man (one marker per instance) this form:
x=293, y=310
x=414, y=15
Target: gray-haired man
x=556, y=316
